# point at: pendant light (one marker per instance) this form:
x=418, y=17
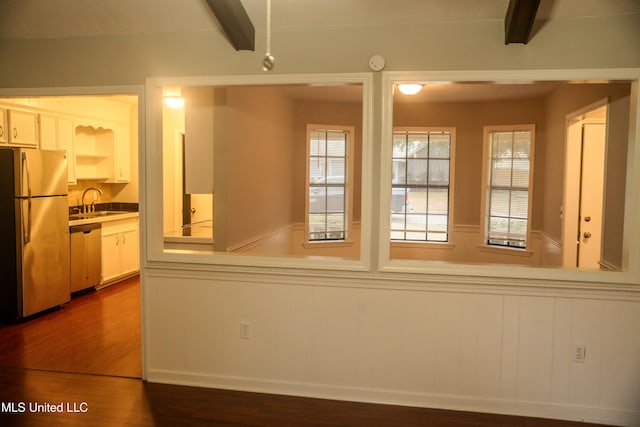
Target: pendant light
x=268, y=61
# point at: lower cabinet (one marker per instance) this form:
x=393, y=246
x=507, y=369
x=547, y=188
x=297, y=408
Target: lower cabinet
x=120, y=251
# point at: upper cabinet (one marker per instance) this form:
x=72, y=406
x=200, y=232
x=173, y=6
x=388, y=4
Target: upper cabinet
x=56, y=133
x=102, y=153
x=3, y=126
x=23, y=128
x=94, y=131
x=122, y=166
x=18, y=128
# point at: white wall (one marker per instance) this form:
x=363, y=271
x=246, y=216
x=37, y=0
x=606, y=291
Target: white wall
x=372, y=336
x=503, y=350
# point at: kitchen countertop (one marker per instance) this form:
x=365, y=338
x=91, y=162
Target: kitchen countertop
x=200, y=232
x=105, y=218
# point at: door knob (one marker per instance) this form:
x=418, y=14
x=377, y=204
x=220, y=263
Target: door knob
x=587, y=218
x=587, y=234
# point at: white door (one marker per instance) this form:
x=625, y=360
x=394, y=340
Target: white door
x=591, y=195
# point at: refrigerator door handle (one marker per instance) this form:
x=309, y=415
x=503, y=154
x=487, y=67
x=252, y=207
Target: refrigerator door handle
x=27, y=229
x=27, y=233
x=25, y=166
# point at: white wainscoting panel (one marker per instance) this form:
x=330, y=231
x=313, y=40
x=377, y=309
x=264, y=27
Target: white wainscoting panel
x=479, y=351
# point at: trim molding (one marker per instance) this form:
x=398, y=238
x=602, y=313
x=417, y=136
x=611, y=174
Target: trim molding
x=563, y=411
x=261, y=239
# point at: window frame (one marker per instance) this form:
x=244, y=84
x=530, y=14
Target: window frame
x=153, y=249
x=452, y=144
x=487, y=172
x=525, y=277
x=348, y=184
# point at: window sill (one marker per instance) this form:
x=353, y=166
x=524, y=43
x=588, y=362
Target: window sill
x=505, y=250
x=422, y=245
x=329, y=244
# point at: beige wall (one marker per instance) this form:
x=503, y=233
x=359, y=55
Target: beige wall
x=254, y=147
x=172, y=125
x=565, y=100
x=548, y=113
x=469, y=119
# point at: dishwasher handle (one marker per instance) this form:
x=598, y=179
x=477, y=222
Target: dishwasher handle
x=85, y=228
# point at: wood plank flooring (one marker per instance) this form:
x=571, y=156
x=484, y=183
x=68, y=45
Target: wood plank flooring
x=97, y=333
x=87, y=356
x=117, y=401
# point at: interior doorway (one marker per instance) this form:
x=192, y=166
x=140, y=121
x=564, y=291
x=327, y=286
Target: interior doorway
x=97, y=331
x=584, y=186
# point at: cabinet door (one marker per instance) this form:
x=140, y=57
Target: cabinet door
x=3, y=126
x=65, y=142
x=48, y=133
x=23, y=128
x=110, y=256
x=130, y=261
x=123, y=156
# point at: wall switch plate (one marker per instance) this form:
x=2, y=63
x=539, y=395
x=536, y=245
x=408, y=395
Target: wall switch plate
x=245, y=330
x=579, y=353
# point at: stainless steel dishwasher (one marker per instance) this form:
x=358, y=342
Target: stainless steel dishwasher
x=86, y=254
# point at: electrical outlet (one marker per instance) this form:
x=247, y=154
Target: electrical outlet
x=579, y=353
x=245, y=330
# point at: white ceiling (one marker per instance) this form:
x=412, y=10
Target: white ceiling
x=29, y=19
x=35, y=19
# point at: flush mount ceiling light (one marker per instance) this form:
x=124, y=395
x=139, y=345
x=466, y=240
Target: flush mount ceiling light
x=409, y=88
x=173, y=101
x=172, y=97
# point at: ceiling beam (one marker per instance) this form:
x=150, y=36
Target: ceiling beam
x=235, y=22
x=521, y=15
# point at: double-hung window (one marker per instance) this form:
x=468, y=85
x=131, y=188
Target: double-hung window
x=328, y=182
x=421, y=184
x=508, y=189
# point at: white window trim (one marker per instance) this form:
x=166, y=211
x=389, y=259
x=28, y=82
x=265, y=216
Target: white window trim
x=350, y=131
x=449, y=244
x=151, y=156
x=486, y=185
x=509, y=275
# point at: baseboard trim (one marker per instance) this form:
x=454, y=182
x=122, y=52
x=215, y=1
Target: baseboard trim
x=257, y=241
x=552, y=410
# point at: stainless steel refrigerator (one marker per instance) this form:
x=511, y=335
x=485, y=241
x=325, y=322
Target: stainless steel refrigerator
x=34, y=231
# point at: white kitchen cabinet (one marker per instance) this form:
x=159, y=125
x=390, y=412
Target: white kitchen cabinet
x=120, y=251
x=3, y=126
x=56, y=133
x=23, y=128
x=122, y=161
x=102, y=152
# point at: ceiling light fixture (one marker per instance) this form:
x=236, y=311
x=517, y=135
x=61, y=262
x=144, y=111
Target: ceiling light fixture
x=409, y=88
x=173, y=101
x=268, y=61
x=172, y=97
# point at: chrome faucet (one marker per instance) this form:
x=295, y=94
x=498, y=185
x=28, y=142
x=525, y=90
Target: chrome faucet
x=85, y=207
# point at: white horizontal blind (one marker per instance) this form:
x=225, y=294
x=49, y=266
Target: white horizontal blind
x=509, y=188
x=328, y=187
x=420, y=186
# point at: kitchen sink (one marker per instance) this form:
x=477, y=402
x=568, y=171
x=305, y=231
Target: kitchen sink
x=96, y=214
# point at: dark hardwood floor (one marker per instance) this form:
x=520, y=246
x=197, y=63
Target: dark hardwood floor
x=117, y=401
x=85, y=359
x=96, y=333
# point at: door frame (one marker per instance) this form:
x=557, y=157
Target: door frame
x=572, y=176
